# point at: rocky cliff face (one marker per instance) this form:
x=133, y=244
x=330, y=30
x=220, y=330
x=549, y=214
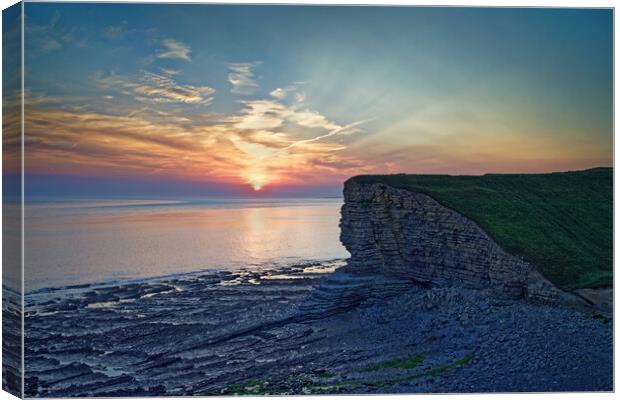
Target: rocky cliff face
x=408, y=235
x=399, y=238
x=399, y=233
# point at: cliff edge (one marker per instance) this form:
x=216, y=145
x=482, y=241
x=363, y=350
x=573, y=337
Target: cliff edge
x=399, y=237
x=562, y=222
x=405, y=234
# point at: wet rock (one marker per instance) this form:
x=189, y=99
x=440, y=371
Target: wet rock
x=211, y=338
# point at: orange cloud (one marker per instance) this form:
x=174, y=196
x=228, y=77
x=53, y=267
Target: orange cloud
x=246, y=148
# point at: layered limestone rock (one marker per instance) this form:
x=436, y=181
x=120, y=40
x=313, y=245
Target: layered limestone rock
x=397, y=235
x=406, y=234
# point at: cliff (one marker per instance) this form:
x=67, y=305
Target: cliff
x=405, y=234
x=561, y=222
x=403, y=237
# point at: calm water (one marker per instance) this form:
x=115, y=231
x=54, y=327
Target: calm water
x=72, y=242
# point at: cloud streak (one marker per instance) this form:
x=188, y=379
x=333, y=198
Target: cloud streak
x=174, y=49
x=241, y=77
x=266, y=143
x=158, y=89
x=343, y=130
x=50, y=37
x=266, y=115
x=251, y=147
x=282, y=93
x=117, y=32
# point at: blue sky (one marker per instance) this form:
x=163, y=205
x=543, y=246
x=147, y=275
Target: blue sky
x=275, y=96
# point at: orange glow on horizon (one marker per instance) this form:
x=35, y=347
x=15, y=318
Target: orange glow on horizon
x=144, y=146
x=256, y=178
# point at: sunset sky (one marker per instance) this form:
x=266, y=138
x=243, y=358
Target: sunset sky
x=223, y=99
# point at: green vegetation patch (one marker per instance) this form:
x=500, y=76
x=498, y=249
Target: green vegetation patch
x=252, y=387
x=350, y=385
x=255, y=387
x=324, y=375
x=429, y=372
x=563, y=221
x=406, y=363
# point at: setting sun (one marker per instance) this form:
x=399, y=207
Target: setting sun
x=256, y=179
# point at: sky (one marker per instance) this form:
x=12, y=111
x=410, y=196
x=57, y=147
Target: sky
x=216, y=99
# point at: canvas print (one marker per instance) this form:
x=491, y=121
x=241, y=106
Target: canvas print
x=224, y=200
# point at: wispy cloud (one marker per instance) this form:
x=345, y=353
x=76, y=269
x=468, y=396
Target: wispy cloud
x=117, y=32
x=265, y=115
x=341, y=130
x=45, y=38
x=241, y=77
x=174, y=49
x=157, y=88
x=263, y=144
x=125, y=145
x=139, y=123
x=260, y=115
x=278, y=138
x=282, y=93
x=170, y=72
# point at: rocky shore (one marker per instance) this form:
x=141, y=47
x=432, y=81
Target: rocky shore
x=259, y=332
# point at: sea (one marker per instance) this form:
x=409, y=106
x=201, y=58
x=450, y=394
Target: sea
x=82, y=241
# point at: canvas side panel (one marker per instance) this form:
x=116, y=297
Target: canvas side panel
x=12, y=283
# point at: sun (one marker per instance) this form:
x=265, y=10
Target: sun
x=257, y=179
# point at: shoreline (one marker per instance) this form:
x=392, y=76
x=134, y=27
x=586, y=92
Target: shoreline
x=247, y=333
x=267, y=267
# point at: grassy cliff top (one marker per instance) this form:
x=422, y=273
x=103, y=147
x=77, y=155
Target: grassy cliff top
x=562, y=221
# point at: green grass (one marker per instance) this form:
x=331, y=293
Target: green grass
x=562, y=222
x=256, y=387
x=252, y=387
x=407, y=363
x=429, y=372
x=324, y=375
x=349, y=385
